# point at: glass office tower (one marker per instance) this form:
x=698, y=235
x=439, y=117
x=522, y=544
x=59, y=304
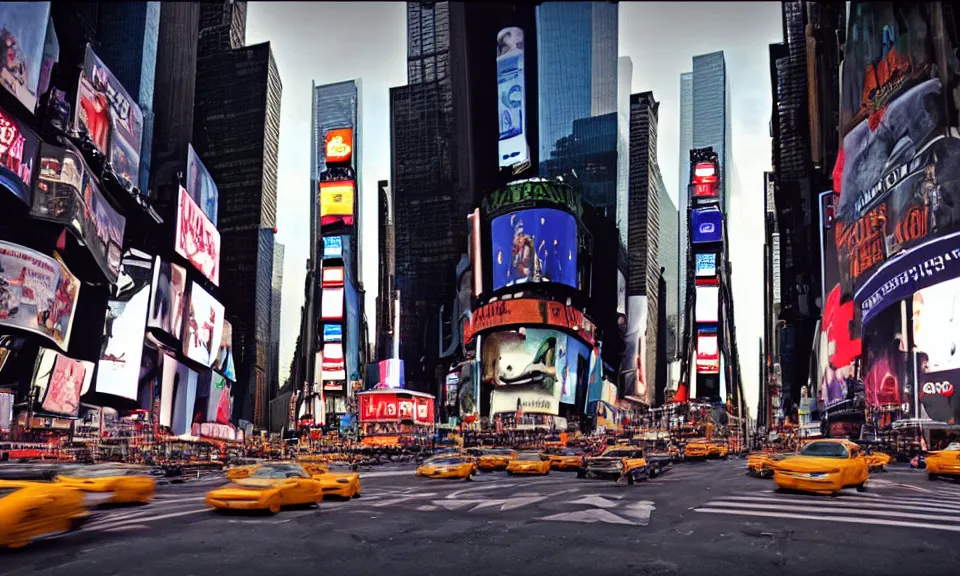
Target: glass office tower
x=711, y=115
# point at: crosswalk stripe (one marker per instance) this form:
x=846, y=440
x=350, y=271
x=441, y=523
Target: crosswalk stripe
x=869, y=496
x=843, y=503
x=845, y=519
x=108, y=526
x=830, y=510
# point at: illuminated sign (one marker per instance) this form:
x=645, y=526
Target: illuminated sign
x=708, y=304
x=706, y=265
x=387, y=407
x=332, y=333
x=707, y=225
x=339, y=145
x=332, y=277
x=708, y=352
x=527, y=312
x=705, y=181
x=527, y=193
x=331, y=304
x=336, y=202
x=332, y=247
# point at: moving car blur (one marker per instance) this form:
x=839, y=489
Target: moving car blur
x=454, y=467
x=823, y=467
x=33, y=510
x=495, y=459
x=944, y=462
x=529, y=463
x=269, y=488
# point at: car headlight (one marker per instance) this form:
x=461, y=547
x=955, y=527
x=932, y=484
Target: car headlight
x=619, y=465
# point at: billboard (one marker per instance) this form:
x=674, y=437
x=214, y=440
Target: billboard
x=51, y=55
x=450, y=395
x=332, y=277
x=534, y=245
x=224, y=360
x=197, y=239
x=708, y=304
x=885, y=366
x=23, y=30
x=331, y=304
x=203, y=326
x=336, y=202
x=529, y=363
x=390, y=407
x=708, y=352
x=37, y=293
x=66, y=192
x=512, y=102
x=706, y=182
x=200, y=185
x=332, y=332
x=529, y=311
x=573, y=370
x=706, y=265
x=332, y=364
x=184, y=400
x=936, y=333
x=391, y=374
x=633, y=371
x=332, y=247
x=110, y=118
x=167, y=298
x=339, y=146
x=61, y=381
x=19, y=146
x=118, y=370
x=528, y=193
x=707, y=225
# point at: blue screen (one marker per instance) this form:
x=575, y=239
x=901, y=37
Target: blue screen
x=535, y=245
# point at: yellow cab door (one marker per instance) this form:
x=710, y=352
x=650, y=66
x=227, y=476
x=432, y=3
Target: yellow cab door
x=860, y=468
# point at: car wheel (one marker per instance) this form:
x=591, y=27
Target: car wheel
x=273, y=508
x=931, y=477
x=861, y=487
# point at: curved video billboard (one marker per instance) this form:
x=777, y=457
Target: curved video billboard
x=529, y=311
x=18, y=156
x=61, y=380
x=534, y=245
x=936, y=333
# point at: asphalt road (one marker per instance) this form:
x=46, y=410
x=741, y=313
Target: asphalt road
x=699, y=518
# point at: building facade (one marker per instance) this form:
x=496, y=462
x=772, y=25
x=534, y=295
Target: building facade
x=711, y=115
x=276, y=301
x=387, y=273
x=669, y=255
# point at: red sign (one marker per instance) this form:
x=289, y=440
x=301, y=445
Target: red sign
x=708, y=353
x=530, y=312
x=394, y=408
x=339, y=145
x=705, y=180
x=197, y=238
x=424, y=413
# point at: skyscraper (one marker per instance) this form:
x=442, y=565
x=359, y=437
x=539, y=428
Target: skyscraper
x=686, y=144
x=671, y=264
x=624, y=82
x=275, y=301
x=387, y=269
x=711, y=116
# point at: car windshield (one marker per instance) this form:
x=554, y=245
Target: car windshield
x=276, y=472
x=825, y=450
x=445, y=460
x=569, y=453
x=953, y=447
x=620, y=454
x=529, y=457
x=498, y=453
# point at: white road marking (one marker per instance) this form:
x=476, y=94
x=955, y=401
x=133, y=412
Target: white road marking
x=103, y=527
x=426, y=508
x=847, y=519
x=587, y=517
x=514, y=503
x=595, y=501
x=830, y=510
x=639, y=511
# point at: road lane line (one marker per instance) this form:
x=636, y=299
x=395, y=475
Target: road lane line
x=846, y=519
x=881, y=504
x=830, y=510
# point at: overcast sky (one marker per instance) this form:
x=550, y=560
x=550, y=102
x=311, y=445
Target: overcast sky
x=330, y=42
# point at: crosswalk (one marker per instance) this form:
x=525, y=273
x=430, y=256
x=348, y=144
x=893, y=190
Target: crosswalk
x=884, y=504
x=138, y=517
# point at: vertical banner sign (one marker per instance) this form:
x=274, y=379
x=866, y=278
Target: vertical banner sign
x=339, y=145
x=197, y=239
x=511, y=90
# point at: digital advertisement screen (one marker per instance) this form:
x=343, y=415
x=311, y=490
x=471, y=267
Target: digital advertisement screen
x=40, y=293
x=338, y=147
x=51, y=55
x=529, y=311
x=110, y=118
x=224, y=360
x=578, y=354
x=336, y=202
x=6, y=411
x=391, y=374
x=167, y=298
x=885, y=365
x=532, y=363
x=61, y=381
x=535, y=245
x=708, y=304
x=19, y=147
x=708, y=353
x=332, y=277
x=706, y=265
x=705, y=181
x=118, y=370
x=707, y=225
x=936, y=335
x=203, y=326
x=66, y=192
x=184, y=400
x=200, y=185
x=331, y=304
x=333, y=247
x=218, y=399
x=511, y=93
x=332, y=332
x=24, y=29
x=332, y=363
x=197, y=239
x=387, y=407
x=633, y=370
x=169, y=369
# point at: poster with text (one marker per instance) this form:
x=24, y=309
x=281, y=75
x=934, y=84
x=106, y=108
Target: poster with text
x=23, y=30
x=19, y=147
x=167, y=298
x=197, y=239
x=200, y=185
x=535, y=245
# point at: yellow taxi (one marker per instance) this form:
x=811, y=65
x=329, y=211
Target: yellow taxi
x=342, y=484
x=495, y=459
x=762, y=464
x=110, y=483
x=878, y=461
x=529, y=463
x=33, y=510
x=241, y=468
x=566, y=459
x=614, y=462
x=823, y=467
x=698, y=448
x=718, y=449
x=944, y=462
x=269, y=488
x=448, y=466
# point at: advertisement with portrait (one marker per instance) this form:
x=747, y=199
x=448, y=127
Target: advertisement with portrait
x=511, y=93
x=936, y=335
x=61, y=380
x=708, y=352
x=528, y=361
x=118, y=370
x=708, y=304
x=110, y=118
x=391, y=374
x=331, y=304
x=336, y=202
x=575, y=370
x=333, y=247
x=885, y=366
x=707, y=225
x=529, y=311
x=535, y=245
x=66, y=192
x=468, y=391
x=203, y=326
x=37, y=293
x=633, y=373
x=19, y=146
x=338, y=147
x=706, y=265
x=332, y=364
x=23, y=29
x=197, y=239
x=167, y=298
x=200, y=185
x=224, y=360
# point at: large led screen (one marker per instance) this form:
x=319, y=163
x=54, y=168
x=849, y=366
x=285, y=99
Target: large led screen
x=535, y=245
x=332, y=247
x=885, y=366
x=936, y=335
x=706, y=265
x=184, y=400
x=332, y=277
x=61, y=380
x=19, y=146
x=200, y=185
x=338, y=146
x=511, y=97
x=110, y=118
x=708, y=353
x=167, y=298
x=708, y=304
x=217, y=396
x=633, y=373
x=66, y=192
x=224, y=360
x=51, y=55
x=529, y=365
x=336, y=202
x=391, y=374
x=578, y=354
x=39, y=294
x=706, y=182
x=331, y=304
x=24, y=30
x=332, y=364
x=118, y=370
x=203, y=326
x=197, y=239
x=707, y=225
x=332, y=332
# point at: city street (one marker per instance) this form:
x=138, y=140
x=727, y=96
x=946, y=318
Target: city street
x=699, y=518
